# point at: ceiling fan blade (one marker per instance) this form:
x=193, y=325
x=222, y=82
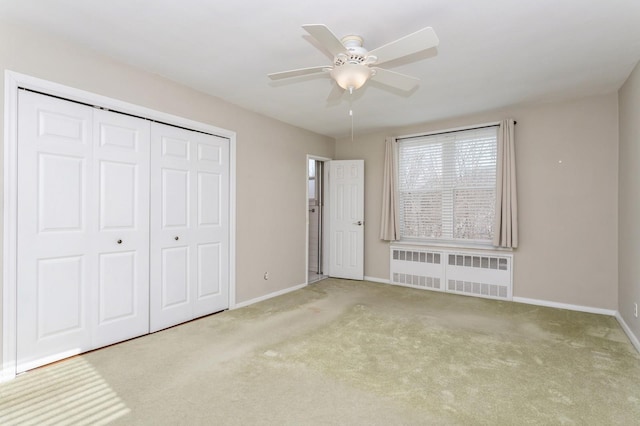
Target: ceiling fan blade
x=326, y=38
x=296, y=73
x=395, y=79
x=423, y=39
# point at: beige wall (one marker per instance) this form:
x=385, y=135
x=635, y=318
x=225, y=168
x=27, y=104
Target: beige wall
x=271, y=155
x=629, y=194
x=568, y=211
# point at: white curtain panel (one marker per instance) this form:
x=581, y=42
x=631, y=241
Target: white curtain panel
x=389, y=225
x=506, y=219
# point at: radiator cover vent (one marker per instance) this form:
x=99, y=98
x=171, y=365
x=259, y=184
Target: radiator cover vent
x=417, y=280
x=478, y=261
x=487, y=275
x=416, y=256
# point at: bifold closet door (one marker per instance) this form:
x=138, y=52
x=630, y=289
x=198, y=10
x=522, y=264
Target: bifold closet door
x=189, y=225
x=82, y=188
x=121, y=168
x=55, y=266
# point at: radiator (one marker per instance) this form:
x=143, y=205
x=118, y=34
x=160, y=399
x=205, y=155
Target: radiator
x=453, y=271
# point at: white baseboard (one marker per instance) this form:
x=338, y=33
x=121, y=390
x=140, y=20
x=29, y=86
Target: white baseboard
x=267, y=296
x=377, y=280
x=567, y=306
x=634, y=339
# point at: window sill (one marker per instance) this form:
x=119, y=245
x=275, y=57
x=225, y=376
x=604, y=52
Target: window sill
x=450, y=245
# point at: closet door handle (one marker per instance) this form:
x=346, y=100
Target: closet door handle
x=176, y=238
x=119, y=241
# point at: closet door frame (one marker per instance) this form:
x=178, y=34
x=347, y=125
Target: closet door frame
x=13, y=81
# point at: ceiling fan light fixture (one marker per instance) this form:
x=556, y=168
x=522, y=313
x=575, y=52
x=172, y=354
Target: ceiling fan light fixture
x=351, y=76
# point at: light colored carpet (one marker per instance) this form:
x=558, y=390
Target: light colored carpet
x=353, y=353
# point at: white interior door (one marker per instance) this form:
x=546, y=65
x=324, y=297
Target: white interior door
x=189, y=225
x=121, y=182
x=55, y=268
x=346, y=219
x=83, y=229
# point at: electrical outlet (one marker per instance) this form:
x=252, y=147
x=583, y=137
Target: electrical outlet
x=266, y=277
x=635, y=312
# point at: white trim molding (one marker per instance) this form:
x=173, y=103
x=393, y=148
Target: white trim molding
x=268, y=296
x=13, y=81
x=377, y=280
x=567, y=306
x=325, y=250
x=632, y=337
x=9, y=259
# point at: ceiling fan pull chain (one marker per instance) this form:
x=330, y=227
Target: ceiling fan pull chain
x=351, y=114
x=351, y=109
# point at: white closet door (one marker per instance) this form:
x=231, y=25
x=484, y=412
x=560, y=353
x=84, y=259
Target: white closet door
x=83, y=229
x=121, y=182
x=189, y=225
x=55, y=269
x=210, y=216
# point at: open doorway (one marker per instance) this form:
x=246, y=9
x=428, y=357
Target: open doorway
x=315, y=241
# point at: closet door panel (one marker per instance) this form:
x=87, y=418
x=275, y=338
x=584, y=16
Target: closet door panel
x=209, y=270
x=59, y=284
x=121, y=161
x=211, y=224
x=117, y=286
x=175, y=199
x=171, y=295
x=118, y=195
x=175, y=277
x=54, y=268
x=60, y=198
x=189, y=225
x=209, y=199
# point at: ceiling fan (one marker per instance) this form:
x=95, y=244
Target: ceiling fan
x=353, y=65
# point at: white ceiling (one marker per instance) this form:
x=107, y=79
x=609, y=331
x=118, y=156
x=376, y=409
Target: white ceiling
x=492, y=53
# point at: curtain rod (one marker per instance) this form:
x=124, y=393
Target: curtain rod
x=460, y=129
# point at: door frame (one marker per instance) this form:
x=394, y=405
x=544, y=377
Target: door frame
x=325, y=190
x=12, y=82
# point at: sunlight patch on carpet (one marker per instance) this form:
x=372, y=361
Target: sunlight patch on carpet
x=69, y=392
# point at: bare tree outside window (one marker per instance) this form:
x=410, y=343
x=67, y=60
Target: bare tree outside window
x=447, y=185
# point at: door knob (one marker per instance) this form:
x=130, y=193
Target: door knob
x=119, y=241
x=359, y=223
x=176, y=238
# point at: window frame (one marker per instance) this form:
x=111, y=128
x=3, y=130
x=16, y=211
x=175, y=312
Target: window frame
x=443, y=242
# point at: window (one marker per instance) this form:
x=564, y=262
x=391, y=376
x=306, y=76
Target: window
x=447, y=186
x=312, y=179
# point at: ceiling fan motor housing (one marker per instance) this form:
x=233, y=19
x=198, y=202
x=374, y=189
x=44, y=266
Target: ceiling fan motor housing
x=351, y=69
x=356, y=54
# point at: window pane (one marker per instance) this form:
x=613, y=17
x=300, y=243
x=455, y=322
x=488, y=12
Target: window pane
x=312, y=189
x=421, y=214
x=474, y=213
x=312, y=168
x=420, y=167
x=476, y=162
x=446, y=185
